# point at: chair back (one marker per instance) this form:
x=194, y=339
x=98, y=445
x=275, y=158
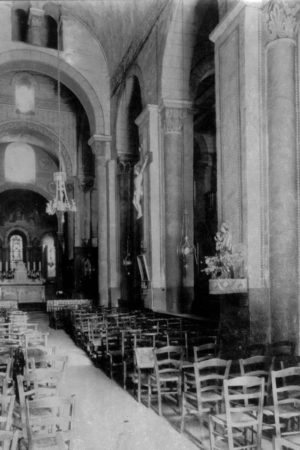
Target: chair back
x=209, y=377
x=205, y=351
x=59, y=417
x=258, y=366
x=168, y=359
x=286, y=393
x=244, y=397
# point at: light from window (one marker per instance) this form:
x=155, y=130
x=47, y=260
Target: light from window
x=19, y=163
x=24, y=95
x=50, y=253
x=16, y=249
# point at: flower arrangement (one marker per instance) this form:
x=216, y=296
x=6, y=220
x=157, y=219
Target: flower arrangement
x=229, y=261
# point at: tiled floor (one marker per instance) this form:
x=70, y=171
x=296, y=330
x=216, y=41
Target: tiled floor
x=109, y=418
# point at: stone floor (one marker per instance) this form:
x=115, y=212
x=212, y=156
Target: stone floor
x=109, y=418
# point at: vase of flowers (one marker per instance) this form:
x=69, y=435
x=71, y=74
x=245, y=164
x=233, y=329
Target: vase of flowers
x=226, y=268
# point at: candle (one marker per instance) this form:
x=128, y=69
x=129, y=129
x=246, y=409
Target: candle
x=34, y=266
x=6, y=266
x=40, y=266
x=28, y=265
x=0, y=266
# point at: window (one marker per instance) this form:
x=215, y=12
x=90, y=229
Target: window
x=19, y=163
x=16, y=249
x=24, y=94
x=49, y=257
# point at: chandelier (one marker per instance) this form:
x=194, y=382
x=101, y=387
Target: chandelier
x=60, y=203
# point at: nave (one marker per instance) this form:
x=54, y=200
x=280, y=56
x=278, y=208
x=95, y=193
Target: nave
x=106, y=416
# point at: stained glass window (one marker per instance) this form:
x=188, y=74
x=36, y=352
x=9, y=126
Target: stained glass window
x=16, y=249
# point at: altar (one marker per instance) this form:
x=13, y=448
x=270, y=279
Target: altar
x=21, y=288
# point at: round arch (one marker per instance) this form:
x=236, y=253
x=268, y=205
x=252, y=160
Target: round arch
x=42, y=61
x=16, y=230
x=41, y=132
x=29, y=187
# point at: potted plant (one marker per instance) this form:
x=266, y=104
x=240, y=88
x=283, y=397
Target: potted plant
x=226, y=268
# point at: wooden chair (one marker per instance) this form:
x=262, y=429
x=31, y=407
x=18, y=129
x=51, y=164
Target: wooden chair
x=29, y=389
x=281, y=351
x=167, y=377
x=240, y=427
x=7, y=403
x=9, y=440
x=144, y=365
x=286, y=400
x=205, y=351
x=53, y=429
x=203, y=389
x=258, y=366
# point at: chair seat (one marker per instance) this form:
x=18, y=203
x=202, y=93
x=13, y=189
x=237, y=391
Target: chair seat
x=238, y=419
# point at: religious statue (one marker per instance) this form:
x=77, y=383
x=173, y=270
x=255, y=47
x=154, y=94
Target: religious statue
x=223, y=239
x=138, y=185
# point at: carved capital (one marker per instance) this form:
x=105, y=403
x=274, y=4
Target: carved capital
x=100, y=145
x=280, y=19
x=173, y=119
x=125, y=164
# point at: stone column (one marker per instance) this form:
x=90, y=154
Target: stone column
x=36, y=27
x=173, y=114
x=101, y=148
x=281, y=104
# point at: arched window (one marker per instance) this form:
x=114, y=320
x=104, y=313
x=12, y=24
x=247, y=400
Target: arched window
x=16, y=249
x=24, y=94
x=19, y=163
x=49, y=256
x=19, y=25
x=51, y=26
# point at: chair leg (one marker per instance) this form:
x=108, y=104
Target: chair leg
x=183, y=413
x=149, y=392
x=124, y=375
x=159, y=400
x=211, y=433
x=139, y=381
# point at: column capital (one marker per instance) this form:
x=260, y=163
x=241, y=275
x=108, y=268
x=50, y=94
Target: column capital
x=125, y=163
x=174, y=113
x=280, y=19
x=100, y=145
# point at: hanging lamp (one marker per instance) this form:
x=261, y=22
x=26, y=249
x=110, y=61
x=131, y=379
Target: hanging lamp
x=185, y=247
x=60, y=203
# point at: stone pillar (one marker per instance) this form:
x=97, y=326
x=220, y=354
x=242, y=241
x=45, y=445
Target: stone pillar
x=113, y=262
x=174, y=114
x=101, y=148
x=36, y=29
x=281, y=107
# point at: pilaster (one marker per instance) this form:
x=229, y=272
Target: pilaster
x=148, y=123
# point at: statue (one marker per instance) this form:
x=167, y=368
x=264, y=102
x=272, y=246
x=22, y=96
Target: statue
x=223, y=239
x=138, y=185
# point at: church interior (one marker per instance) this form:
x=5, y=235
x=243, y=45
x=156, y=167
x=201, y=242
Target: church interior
x=149, y=224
